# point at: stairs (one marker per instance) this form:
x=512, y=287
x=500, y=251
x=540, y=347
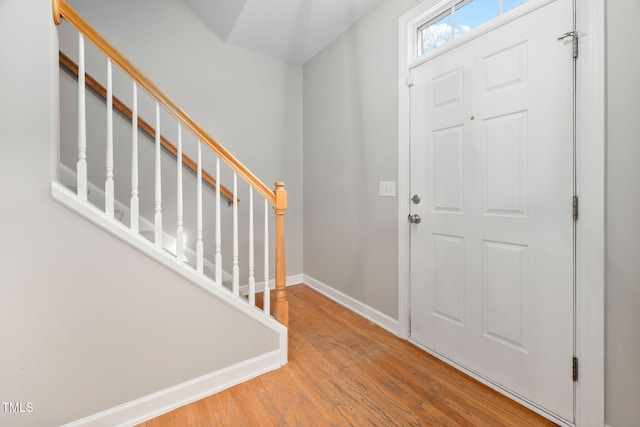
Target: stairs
x=126, y=166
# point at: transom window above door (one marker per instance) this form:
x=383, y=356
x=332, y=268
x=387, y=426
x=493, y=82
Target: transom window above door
x=459, y=18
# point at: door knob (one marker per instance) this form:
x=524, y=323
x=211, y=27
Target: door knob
x=415, y=219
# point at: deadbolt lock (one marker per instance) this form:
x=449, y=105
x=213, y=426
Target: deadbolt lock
x=415, y=199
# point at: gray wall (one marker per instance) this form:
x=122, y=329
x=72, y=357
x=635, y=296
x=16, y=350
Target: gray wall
x=350, y=144
x=251, y=103
x=622, y=378
x=86, y=321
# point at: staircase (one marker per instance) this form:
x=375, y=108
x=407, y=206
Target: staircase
x=167, y=198
x=169, y=239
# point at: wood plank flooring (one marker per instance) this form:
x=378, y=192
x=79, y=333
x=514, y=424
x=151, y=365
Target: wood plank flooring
x=345, y=371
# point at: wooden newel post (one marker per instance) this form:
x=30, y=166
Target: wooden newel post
x=282, y=305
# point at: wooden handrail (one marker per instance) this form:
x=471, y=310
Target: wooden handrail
x=277, y=197
x=101, y=91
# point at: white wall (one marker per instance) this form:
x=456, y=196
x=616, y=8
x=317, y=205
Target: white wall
x=86, y=321
x=350, y=144
x=622, y=375
x=249, y=102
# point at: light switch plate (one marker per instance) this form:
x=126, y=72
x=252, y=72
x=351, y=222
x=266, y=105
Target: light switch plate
x=387, y=189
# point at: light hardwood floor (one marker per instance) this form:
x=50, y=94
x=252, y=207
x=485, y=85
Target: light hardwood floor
x=345, y=371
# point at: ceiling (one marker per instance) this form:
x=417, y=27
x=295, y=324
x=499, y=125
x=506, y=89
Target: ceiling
x=292, y=30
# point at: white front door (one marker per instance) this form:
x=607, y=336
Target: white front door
x=492, y=259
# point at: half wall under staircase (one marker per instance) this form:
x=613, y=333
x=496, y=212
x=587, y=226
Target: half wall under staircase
x=168, y=207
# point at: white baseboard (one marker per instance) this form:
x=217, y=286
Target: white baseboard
x=295, y=279
x=290, y=281
x=156, y=404
x=353, y=304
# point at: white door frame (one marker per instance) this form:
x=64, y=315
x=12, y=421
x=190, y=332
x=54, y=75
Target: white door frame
x=590, y=175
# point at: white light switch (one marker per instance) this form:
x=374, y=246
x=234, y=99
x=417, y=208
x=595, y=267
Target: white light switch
x=387, y=189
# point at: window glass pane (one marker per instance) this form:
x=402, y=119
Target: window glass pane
x=435, y=35
x=468, y=15
x=474, y=14
x=507, y=5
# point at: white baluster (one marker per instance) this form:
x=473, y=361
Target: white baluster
x=108, y=185
x=199, y=243
x=135, y=201
x=218, y=231
x=236, y=267
x=252, y=278
x=81, y=170
x=180, y=213
x=267, y=291
x=158, y=215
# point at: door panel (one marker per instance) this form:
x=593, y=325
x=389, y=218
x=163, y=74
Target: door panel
x=492, y=161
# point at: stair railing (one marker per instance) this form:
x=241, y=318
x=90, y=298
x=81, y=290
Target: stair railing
x=277, y=198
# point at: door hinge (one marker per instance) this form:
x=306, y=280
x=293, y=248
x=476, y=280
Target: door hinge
x=574, y=40
x=575, y=369
x=575, y=208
